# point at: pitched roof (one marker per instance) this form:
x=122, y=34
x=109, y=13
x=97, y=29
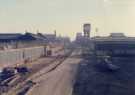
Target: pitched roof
x=50, y=37
x=6, y=36
x=20, y=37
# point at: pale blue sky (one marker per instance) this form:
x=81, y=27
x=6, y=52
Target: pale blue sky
x=67, y=16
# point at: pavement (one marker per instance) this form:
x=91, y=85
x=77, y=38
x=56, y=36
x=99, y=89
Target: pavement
x=60, y=81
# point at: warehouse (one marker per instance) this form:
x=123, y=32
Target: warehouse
x=117, y=44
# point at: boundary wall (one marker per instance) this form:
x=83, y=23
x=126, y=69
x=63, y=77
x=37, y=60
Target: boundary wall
x=19, y=56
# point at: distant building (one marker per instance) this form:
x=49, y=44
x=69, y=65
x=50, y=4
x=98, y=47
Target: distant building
x=50, y=37
x=117, y=35
x=79, y=38
x=8, y=37
x=87, y=30
x=17, y=40
x=19, y=37
x=82, y=39
x=117, y=44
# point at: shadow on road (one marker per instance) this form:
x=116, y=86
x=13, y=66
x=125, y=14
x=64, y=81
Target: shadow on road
x=92, y=80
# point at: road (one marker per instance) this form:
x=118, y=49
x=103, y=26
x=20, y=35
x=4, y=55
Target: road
x=59, y=81
x=22, y=83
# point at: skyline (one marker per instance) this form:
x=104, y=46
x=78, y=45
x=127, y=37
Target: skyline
x=67, y=16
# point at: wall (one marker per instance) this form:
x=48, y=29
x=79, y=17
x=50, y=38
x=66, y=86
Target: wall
x=11, y=57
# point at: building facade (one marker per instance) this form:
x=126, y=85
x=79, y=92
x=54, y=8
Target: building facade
x=117, y=44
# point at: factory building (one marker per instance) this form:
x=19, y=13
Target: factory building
x=87, y=30
x=117, y=44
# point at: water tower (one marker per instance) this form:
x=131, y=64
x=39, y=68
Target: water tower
x=86, y=30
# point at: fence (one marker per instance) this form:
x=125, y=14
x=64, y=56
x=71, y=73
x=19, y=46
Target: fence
x=11, y=57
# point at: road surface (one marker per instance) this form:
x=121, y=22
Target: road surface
x=59, y=81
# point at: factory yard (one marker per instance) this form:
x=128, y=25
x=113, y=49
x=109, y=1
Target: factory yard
x=69, y=72
x=72, y=72
x=67, y=47
x=53, y=75
x=98, y=68
x=59, y=81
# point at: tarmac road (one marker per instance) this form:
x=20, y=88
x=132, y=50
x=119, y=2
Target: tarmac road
x=59, y=81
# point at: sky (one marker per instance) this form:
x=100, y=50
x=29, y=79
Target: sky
x=67, y=16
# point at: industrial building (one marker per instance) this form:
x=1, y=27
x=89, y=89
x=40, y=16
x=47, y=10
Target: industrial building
x=18, y=40
x=87, y=30
x=117, y=44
